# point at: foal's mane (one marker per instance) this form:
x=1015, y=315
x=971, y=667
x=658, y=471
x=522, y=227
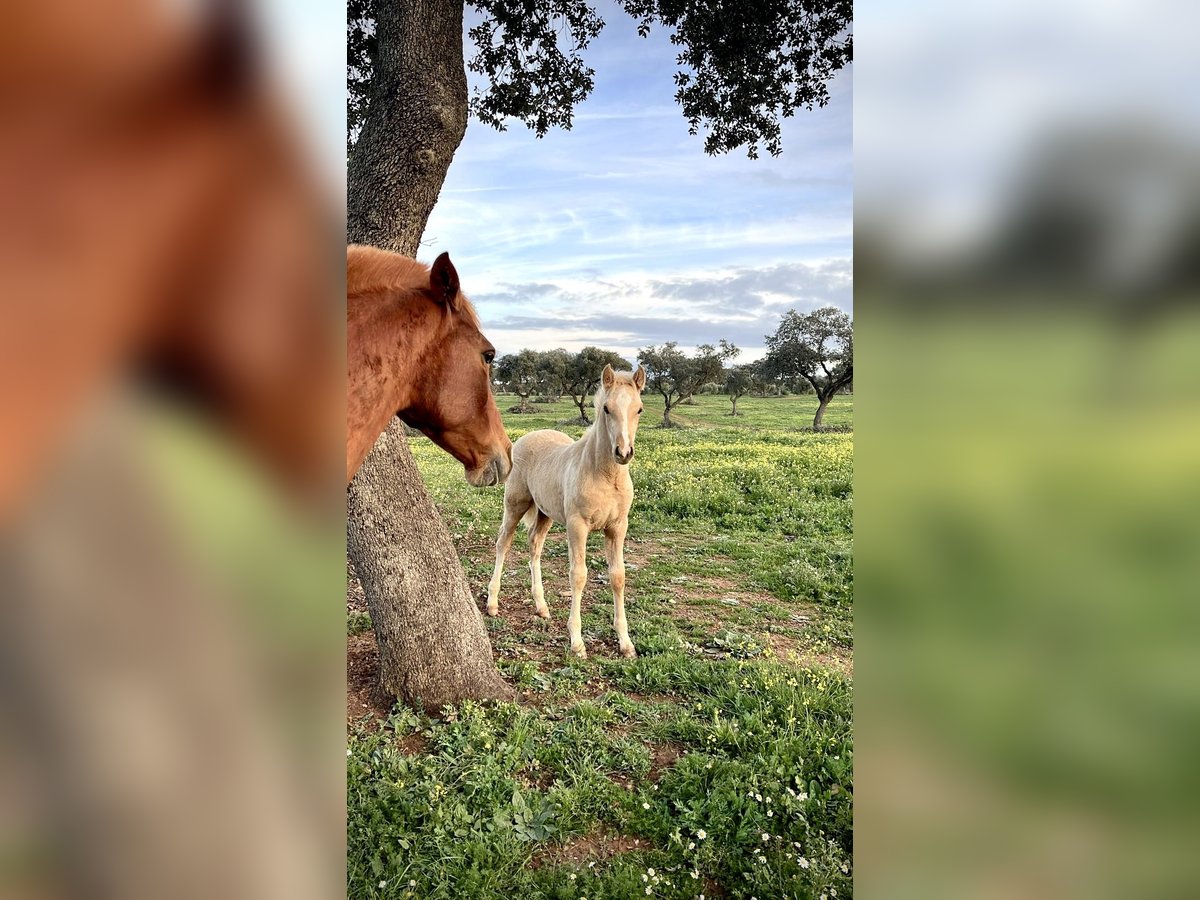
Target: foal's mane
x=371, y=270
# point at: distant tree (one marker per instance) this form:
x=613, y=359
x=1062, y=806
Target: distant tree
x=760, y=381
x=710, y=362
x=738, y=382
x=583, y=375
x=517, y=373
x=552, y=373
x=818, y=347
x=676, y=376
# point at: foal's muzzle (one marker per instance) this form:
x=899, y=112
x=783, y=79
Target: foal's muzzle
x=623, y=458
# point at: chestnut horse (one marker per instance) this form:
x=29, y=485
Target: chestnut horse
x=415, y=350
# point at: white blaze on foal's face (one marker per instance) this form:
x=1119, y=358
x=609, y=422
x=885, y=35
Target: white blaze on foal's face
x=620, y=409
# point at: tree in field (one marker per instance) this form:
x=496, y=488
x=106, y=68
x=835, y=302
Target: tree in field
x=517, y=373
x=738, y=382
x=817, y=347
x=760, y=381
x=584, y=370
x=552, y=373
x=675, y=376
x=743, y=67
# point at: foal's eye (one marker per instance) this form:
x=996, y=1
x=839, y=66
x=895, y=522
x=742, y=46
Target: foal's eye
x=640, y=408
x=606, y=409
x=488, y=356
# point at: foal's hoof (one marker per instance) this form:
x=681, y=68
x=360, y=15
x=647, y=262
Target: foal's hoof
x=543, y=613
x=579, y=651
x=493, y=609
x=628, y=652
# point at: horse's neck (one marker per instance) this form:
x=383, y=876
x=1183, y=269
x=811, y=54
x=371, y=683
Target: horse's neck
x=596, y=452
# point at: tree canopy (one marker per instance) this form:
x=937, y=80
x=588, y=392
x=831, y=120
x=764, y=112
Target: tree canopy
x=583, y=375
x=816, y=346
x=518, y=374
x=676, y=376
x=742, y=67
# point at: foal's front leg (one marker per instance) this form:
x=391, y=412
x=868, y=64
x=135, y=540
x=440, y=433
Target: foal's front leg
x=577, y=535
x=614, y=552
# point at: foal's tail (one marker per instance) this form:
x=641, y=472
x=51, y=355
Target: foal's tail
x=530, y=517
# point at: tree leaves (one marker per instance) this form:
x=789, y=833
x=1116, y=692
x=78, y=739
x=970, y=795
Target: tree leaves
x=817, y=346
x=743, y=67
x=530, y=53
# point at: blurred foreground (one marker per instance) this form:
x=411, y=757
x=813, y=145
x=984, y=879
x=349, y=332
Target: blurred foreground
x=1028, y=460
x=170, y=431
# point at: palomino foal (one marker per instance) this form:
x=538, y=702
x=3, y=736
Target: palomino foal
x=584, y=485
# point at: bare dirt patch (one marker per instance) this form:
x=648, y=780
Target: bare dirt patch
x=594, y=847
x=364, y=696
x=662, y=757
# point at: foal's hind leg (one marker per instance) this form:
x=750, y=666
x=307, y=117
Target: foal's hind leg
x=614, y=552
x=537, y=537
x=513, y=510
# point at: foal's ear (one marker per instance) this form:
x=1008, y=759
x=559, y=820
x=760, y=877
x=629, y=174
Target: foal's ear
x=443, y=281
x=639, y=378
x=607, y=377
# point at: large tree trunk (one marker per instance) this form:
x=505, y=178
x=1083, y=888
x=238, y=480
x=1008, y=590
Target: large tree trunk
x=415, y=120
x=433, y=647
x=821, y=411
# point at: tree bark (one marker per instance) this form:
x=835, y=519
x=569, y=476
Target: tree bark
x=820, y=411
x=416, y=118
x=735, y=400
x=433, y=646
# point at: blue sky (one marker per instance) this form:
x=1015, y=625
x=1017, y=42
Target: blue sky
x=622, y=232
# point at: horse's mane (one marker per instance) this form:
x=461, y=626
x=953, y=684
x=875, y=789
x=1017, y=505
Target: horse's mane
x=369, y=269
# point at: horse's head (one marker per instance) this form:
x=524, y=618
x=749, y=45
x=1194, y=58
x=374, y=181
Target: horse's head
x=618, y=408
x=453, y=403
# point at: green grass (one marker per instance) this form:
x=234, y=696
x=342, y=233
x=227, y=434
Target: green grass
x=733, y=723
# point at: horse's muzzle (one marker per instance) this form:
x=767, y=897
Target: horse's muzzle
x=623, y=459
x=495, y=471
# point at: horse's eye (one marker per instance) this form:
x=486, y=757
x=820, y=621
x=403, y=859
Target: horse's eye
x=639, y=412
x=606, y=409
x=488, y=356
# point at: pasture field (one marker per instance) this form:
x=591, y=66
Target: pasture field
x=718, y=763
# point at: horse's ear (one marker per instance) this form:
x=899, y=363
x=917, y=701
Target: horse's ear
x=607, y=377
x=639, y=378
x=443, y=281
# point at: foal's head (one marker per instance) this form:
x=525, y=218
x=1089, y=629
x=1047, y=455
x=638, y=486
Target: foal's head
x=453, y=403
x=618, y=408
